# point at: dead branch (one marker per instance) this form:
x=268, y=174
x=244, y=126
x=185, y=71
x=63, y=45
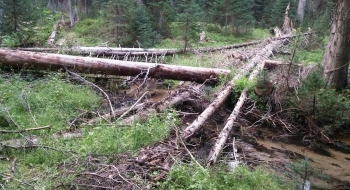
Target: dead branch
x=25, y=130
x=225, y=92
x=117, y=112
x=124, y=114
x=95, y=86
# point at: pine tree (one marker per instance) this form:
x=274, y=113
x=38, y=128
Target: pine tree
x=162, y=14
x=188, y=16
x=141, y=27
x=237, y=15
x=118, y=14
x=278, y=10
x=19, y=18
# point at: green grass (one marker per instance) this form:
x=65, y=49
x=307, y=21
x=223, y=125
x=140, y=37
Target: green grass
x=306, y=57
x=216, y=34
x=56, y=101
x=51, y=100
x=190, y=176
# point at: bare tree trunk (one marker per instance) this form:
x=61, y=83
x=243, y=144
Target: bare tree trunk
x=76, y=15
x=287, y=24
x=52, y=36
x=45, y=61
x=1, y=11
x=51, y=5
x=301, y=10
x=336, y=58
x=71, y=16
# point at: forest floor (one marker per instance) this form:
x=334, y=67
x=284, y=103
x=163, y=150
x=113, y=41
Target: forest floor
x=101, y=158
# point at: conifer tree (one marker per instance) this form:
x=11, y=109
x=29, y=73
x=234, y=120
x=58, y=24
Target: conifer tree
x=278, y=10
x=19, y=17
x=161, y=14
x=118, y=14
x=237, y=15
x=188, y=16
x=141, y=27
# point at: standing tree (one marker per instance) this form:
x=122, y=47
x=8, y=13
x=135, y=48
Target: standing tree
x=188, y=16
x=337, y=55
x=236, y=14
x=118, y=15
x=278, y=11
x=19, y=18
x=141, y=27
x=301, y=11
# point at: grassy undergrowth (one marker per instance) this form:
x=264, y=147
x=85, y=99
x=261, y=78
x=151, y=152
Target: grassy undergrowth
x=55, y=101
x=190, y=176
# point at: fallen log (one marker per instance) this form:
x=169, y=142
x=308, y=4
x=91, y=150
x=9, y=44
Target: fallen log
x=106, y=51
x=45, y=61
x=210, y=110
x=52, y=36
x=170, y=101
x=215, y=151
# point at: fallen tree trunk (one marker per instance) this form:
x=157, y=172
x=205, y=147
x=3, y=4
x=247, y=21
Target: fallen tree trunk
x=158, y=107
x=106, y=51
x=215, y=151
x=52, y=36
x=210, y=110
x=45, y=61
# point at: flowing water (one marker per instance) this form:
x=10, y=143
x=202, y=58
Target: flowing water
x=331, y=160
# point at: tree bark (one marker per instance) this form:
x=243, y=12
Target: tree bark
x=70, y=11
x=106, y=51
x=52, y=36
x=222, y=96
x=215, y=151
x=301, y=10
x=287, y=24
x=45, y=61
x=221, y=140
x=336, y=58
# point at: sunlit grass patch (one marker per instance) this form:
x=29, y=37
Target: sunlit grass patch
x=51, y=100
x=190, y=176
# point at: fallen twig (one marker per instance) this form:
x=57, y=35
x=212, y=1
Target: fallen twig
x=132, y=106
x=94, y=85
x=25, y=130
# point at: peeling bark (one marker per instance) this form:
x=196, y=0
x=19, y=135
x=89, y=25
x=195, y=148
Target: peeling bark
x=226, y=91
x=45, y=61
x=336, y=58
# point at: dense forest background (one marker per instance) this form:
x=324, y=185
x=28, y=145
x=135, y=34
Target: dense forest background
x=145, y=22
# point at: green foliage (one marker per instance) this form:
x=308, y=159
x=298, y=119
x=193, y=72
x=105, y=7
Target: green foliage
x=307, y=57
x=276, y=16
x=318, y=16
x=243, y=83
x=18, y=20
x=116, y=139
x=52, y=100
x=302, y=171
x=87, y=30
x=190, y=176
x=162, y=15
x=11, y=40
x=142, y=29
x=236, y=15
x=188, y=16
x=320, y=106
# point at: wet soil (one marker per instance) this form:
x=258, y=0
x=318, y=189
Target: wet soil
x=329, y=160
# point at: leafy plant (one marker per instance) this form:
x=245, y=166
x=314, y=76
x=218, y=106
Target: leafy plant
x=190, y=176
x=320, y=106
